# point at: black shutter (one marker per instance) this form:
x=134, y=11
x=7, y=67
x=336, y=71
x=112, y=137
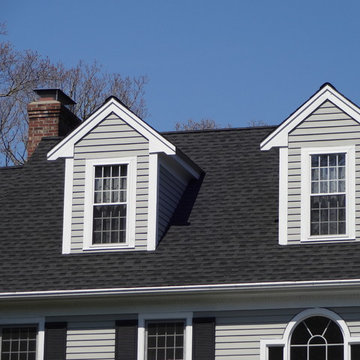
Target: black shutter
x=126, y=340
x=55, y=341
x=203, y=338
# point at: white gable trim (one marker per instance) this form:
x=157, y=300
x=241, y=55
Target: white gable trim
x=279, y=137
x=157, y=143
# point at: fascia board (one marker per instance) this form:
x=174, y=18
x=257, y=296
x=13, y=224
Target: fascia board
x=279, y=137
x=157, y=143
x=265, y=286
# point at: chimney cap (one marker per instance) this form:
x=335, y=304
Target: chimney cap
x=55, y=94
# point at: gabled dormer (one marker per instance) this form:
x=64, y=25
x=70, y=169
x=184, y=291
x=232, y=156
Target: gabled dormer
x=319, y=148
x=123, y=181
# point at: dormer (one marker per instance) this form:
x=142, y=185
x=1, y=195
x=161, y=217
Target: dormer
x=123, y=181
x=318, y=165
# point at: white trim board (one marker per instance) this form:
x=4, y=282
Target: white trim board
x=153, y=201
x=279, y=137
x=157, y=143
x=68, y=198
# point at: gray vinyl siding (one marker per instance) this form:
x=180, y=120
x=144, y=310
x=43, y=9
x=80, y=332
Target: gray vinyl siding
x=170, y=192
x=326, y=126
x=111, y=138
x=90, y=340
x=238, y=333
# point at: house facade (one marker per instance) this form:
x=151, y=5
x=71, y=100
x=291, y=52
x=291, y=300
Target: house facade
x=120, y=242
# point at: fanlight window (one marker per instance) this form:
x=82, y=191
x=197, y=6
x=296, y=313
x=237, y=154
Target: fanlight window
x=317, y=338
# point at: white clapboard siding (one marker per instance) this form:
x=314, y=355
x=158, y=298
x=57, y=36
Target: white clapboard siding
x=326, y=126
x=238, y=334
x=90, y=340
x=112, y=138
x=170, y=192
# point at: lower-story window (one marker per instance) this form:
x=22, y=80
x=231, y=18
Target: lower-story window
x=18, y=343
x=314, y=334
x=165, y=340
x=317, y=338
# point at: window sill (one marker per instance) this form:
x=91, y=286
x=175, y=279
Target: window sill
x=328, y=239
x=111, y=247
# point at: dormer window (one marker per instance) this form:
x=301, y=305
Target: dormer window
x=328, y=193
x=110, y=204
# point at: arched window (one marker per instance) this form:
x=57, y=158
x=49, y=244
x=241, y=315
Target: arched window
x=317, y=338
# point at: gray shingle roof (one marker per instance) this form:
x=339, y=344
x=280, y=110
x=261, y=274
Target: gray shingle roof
x=224, y=230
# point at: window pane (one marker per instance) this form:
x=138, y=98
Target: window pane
x=323, y=174
x=314, y=187
x=107, y=171
x=315, y=160
x=341, y=172
x=341, y=186
x=332, y=160
x=315, y=174
x=276, y=353
x=355, y=351
x=298, y=353
x=341, y=159
x=317, y=352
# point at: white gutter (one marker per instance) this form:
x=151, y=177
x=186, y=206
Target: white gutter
x=265, y=286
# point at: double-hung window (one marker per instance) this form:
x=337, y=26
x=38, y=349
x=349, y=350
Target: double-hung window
x=165, y=336
x=165, y=340
x=18, y=343
x=327, y=194
x=110, y=203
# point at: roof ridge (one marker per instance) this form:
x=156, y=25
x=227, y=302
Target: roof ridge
x=218, y=130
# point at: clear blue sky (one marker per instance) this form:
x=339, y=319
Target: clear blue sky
x=234, y=61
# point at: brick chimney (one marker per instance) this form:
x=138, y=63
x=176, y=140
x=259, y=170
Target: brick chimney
x=49, y=116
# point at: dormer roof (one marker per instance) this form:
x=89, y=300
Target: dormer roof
x=157, y=143
x=327, y=92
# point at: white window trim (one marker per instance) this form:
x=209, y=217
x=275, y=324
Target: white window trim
x=305, y=192
x=68, y=197
x=89, y=204
x=186, y=316
x=39, y=322
x=283, y=195
x=285, y=341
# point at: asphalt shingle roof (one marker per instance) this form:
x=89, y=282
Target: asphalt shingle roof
x=225, y=229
